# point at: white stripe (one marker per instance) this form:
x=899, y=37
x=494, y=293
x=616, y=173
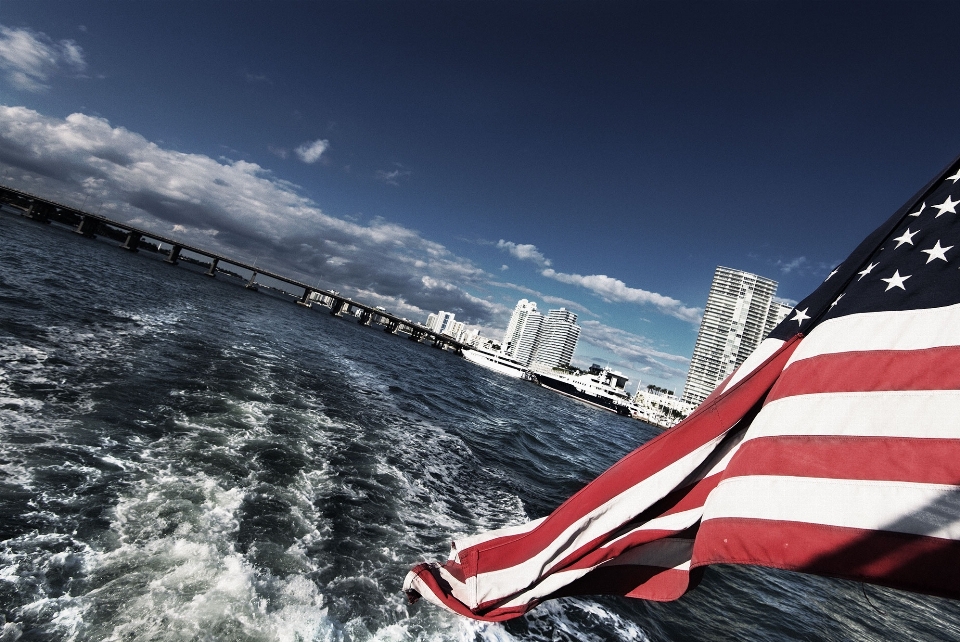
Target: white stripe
x=904, y=413
x=665, y=553
x=766, y=348
x=467, y=542
x=901, y=507
x=604, y=519
x=901, y=330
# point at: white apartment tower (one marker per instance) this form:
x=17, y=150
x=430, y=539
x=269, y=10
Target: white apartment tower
x=740, y=312
x=440, y=322
x=559, y=339
x=523, y=332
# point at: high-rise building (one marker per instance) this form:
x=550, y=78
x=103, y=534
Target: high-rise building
x=454, y=330
x=777, y=313
x=523, y=332
x=740, y=312
x=559, y=339
x=440, y=322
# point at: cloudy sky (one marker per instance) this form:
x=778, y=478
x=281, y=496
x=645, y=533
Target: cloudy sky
x=605, y=157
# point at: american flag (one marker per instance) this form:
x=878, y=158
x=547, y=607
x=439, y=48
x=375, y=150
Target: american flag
x=834, y=449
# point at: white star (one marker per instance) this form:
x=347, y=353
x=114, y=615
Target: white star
x=896, y=281
x=831, y=274
x=920, y=211
x=801, y=316
x=954, y=178
x=948, y=205
x=907, y=237
x=837, y=301
x=937, y=252
x=868, y=270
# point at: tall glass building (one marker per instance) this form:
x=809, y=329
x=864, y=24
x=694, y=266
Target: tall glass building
x=740, y=312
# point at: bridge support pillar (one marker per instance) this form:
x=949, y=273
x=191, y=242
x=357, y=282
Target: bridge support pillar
x=133, y=240
x=392, y=327
x=88, y=226
x=174, y=257
x=305, y=299
x=336, y=307
x=365, y=317
x=37, y=212
x=213, y=267
x=252, y=283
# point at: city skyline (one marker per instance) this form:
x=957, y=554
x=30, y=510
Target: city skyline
x=428, y=156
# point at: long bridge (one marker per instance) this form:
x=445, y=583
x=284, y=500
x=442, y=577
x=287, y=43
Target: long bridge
x=90, y=225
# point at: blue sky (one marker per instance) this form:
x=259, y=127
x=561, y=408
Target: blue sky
x=461, y=155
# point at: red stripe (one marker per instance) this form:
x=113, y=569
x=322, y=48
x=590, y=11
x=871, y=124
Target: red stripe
x=929, y=369
x=695, y=431
x=929, y=461
x=911, y=562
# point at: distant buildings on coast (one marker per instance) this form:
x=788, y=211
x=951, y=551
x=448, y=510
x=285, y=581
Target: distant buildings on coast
x=741, y=311
x=530, y=337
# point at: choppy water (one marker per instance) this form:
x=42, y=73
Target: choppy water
x=181, y=459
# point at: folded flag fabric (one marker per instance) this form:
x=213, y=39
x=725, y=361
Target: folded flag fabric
x=834, y=449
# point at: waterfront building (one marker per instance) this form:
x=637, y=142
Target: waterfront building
x=522, y=337
x=558, y=340
x=740, y=311
x=440, y=322
x=660, y=406
x=454, y=330
x=777, y=313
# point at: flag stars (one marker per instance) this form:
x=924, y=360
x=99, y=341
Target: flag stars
x=948, y=205
x=907, y=237
x=837, y=269
x=896, y=281
x=937, y=252
x=954, y=178
x=923, y=206
x=801, y=316
x=868, y=270
x=836, y=301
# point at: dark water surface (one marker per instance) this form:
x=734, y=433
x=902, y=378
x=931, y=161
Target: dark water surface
x=181, y=459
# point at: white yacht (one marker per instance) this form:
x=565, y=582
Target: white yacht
x=496, y=362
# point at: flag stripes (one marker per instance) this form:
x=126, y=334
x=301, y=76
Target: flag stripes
x=835, y=453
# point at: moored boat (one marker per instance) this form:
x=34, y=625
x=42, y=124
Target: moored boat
x=599, y=387
x=496, y=362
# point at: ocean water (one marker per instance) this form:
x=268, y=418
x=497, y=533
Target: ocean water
x=183, y=459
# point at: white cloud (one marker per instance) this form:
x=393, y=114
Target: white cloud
x=28, y=58
x=637, y=351
x=235, y=207
x=614, y=290
x=546, y=298
x=524, y=252
x=256, y=78
x=392, y=177
x=794, y=264
x=311, y=152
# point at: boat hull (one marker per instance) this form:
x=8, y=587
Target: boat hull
x=568, y=389
x=490, y=363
